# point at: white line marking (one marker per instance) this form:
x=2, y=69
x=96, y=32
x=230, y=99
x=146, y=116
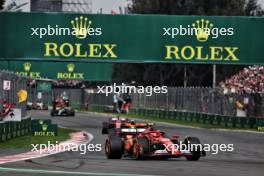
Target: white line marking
x=64, y=172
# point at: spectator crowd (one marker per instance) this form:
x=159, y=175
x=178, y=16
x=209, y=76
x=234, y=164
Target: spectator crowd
x=67, y=83
x=61, y=83
x=250, y=80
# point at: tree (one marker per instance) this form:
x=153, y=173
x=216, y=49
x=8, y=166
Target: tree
x=253, y=8
x=198, y=7
x=2, y=4
x=172, y=74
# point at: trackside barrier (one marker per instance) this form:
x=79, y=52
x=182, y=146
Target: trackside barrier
x=195, y=117
x=10, y=130
x=191, y=99
x=43, y=127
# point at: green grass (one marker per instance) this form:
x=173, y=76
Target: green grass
x=182, y=122
x=26, y=141
x=187, y=123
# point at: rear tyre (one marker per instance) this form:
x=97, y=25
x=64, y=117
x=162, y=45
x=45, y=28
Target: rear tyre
x=197, y=150
x=52, y=113
x=114, y=147
x=72, y=113
x=105, y=128
x=140, y=148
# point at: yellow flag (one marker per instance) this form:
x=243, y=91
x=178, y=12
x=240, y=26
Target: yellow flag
x=239, y=105
x=22, y=95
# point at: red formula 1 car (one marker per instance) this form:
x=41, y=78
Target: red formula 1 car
x=61, y=107
x=149, y=143
x=7, y=109
x=36, y=106
x=116, y=124
x=113, y=123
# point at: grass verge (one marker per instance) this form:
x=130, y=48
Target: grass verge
x=182, y=122
x=26, y=141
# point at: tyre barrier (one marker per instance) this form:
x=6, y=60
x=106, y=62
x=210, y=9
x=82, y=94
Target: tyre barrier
x=195, y=117
x=10, y=130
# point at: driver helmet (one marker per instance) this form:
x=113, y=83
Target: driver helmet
x=132, y=124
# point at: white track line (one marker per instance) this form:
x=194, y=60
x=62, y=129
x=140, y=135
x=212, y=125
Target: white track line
x=64, y=172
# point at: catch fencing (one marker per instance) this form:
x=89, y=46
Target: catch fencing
x=9, y=130
x=76, y=96
x=17, y=83
x=192, y=99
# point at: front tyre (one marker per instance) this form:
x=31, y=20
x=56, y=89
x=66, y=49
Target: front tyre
x=140, y=148
x=195, y=150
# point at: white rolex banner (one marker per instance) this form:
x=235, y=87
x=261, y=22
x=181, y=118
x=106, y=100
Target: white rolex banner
x=13, y=116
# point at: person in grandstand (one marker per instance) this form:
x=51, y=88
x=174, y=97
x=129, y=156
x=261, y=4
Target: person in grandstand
x=127, y=103
x=115, y=103
x=120, y=101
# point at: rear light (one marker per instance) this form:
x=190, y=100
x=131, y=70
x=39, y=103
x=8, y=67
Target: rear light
x=175, y=136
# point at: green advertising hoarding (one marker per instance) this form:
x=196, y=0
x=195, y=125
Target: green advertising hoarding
x=40, y=127
x=62, y=70
x=44, y=86
x=260, y=125
x=132, y=38
x=3, y=65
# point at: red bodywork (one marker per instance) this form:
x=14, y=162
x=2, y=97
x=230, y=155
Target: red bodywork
x=128, y=130
x=7, y=108
x=118, y=122
x=170, y=149
x=125, y=107
x=140, y=140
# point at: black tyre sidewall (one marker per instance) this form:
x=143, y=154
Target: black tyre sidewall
x=116, y=147
x=195, y=154
x=144, y=143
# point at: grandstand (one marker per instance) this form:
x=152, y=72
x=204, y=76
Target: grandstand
x=249, y=80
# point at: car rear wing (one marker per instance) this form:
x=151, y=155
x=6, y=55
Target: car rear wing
x=132, y=131
x=137, y=125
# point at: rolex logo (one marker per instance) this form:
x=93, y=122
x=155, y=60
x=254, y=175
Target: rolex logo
x=81, y=26
x=70, y=67
x=41, y=122
x=44, y=127
x=203, y=28
x=27, y=66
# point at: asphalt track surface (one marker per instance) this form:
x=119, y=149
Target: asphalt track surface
x=246, y=159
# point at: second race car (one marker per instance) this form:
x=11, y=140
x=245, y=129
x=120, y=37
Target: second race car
x=61, y=107
x=115, y=124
